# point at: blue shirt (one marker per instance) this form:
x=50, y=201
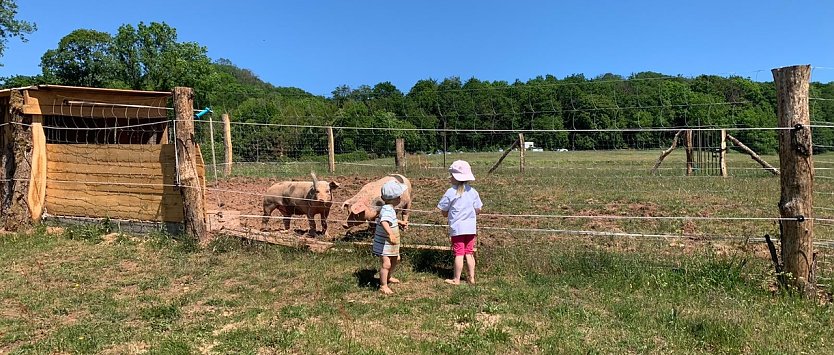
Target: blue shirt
x=462, y=219
x=386, y=213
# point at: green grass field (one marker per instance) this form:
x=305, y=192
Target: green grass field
x=84, y=290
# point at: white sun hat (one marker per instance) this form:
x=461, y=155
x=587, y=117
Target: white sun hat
x=461, y=171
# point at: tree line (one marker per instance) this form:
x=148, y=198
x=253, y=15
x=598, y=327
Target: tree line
x=575, y=112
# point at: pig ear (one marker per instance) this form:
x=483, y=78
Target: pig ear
x=334, y=185
x=358, y=207
x=315, y=179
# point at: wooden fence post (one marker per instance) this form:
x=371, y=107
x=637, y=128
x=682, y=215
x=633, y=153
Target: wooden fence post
x=400, y=158
x=797, y=176
x=227, y=139
x=331, y=151
x=194, y=214
x=213, y=154
x=521, y=152
x=722, y=154
x=690, y=159
x=17, y=166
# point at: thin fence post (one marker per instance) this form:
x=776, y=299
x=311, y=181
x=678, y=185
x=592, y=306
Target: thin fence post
x=400, y=158
x=797, y=176
x=690, y=163
x=227, y=135
x=722, y=154
x=194, y=214
x=213, y=155
x=521, y=152
x=331, y=151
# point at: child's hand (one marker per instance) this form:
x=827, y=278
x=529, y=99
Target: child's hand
x=403, y=224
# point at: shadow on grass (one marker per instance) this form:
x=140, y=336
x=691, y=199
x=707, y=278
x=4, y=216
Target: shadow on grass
x=366, y=278
x=438, y=262
x=358, y=234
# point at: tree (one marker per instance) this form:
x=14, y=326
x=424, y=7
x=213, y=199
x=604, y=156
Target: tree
x=150, y=58
x=83, y=58
x=17, y=81
x=11, y=27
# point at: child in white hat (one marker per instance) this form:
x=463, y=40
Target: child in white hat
x=387, y=234
x=461, y=204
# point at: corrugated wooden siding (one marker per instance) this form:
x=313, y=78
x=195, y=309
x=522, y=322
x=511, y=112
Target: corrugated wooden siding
x=115, y=181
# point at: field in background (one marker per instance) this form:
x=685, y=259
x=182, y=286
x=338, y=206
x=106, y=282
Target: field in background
x=610, y=278
x=591, y=184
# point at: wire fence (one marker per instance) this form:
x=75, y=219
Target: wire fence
x=586, y=170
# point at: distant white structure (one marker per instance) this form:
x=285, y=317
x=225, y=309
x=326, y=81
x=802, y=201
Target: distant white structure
x=528, y=145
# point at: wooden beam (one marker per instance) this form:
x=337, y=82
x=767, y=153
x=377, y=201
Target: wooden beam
x=37, y=180
x=284, y=238
x=666, y=152
x=506, y=152
x=753, y=155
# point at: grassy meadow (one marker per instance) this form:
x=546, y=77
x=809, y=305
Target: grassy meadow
x=706, y=288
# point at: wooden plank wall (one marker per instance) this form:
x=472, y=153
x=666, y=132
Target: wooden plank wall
x=115, y=181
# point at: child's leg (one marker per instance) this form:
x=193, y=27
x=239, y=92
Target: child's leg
x=384, y=271
x=459, y=249
x=470, y=257
x=458, y=270
x=394, y=262
x=470, y=265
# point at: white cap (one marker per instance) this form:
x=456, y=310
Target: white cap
x=393, y=189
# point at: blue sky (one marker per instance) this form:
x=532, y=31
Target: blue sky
x=319, y=45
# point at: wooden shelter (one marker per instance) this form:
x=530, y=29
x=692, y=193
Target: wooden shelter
x=89, y=152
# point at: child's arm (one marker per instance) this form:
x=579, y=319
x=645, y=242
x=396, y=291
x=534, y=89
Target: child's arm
x=394, y=239
x=444, y=213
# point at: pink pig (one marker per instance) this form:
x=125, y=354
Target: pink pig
x=300, y=198
x=364, y=206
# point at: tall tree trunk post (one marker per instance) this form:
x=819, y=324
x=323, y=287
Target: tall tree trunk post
x=521, y=152
x=194, y=214
x=797, y=176
x=400, y=158
x=690, y=155
x=331, y=151
x=227, y=139
x=18, y=165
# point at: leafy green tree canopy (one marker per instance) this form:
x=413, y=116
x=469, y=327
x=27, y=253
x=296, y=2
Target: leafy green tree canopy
x=12, y=27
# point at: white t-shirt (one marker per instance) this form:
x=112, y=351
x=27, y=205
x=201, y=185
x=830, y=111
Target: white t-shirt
x=461, y=210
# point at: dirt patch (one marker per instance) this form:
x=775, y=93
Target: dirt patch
x=135, y=347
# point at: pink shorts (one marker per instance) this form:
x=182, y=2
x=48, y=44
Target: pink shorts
x=463, y=244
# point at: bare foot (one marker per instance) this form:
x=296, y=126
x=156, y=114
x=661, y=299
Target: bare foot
x=471, y=281
x=386, y=290
x=452, y=282
x=392, y=280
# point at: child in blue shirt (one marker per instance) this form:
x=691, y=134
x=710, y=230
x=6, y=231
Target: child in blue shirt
x=387, y=235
